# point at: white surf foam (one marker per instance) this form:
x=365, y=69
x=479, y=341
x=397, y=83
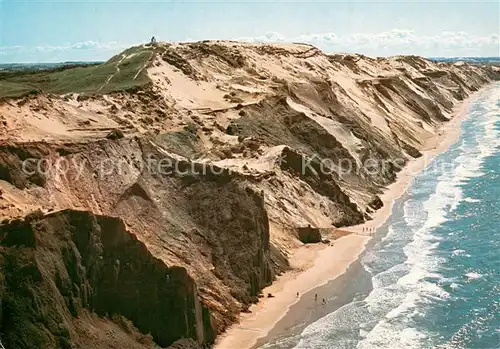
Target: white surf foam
x=458, y=252
x=473, y=275
x=471, y=200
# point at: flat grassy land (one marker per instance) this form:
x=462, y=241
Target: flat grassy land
x=122, y=72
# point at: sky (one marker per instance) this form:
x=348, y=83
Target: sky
x=69, y=30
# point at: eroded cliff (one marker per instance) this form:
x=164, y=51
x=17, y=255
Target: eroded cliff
x=58, y=268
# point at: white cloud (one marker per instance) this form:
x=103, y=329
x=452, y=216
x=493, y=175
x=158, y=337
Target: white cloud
x=11, y=48
x=268, y=37
x=395, y=41
x=83, y=45
x=84, y=50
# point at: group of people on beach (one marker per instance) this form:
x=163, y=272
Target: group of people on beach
x=368, y=230
x=316, y=299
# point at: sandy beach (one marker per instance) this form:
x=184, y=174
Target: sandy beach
x=316, y=265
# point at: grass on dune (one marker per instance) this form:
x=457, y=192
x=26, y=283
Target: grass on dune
x=122, y=72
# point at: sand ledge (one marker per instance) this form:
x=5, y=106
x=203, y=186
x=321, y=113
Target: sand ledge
x=325, y=263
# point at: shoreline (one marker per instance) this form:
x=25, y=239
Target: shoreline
x=325, y=264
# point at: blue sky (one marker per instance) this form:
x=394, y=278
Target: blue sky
x=53, y=31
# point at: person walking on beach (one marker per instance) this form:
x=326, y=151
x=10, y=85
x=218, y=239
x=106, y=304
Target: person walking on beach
x=324, y=302
x=315, y=297
x=297, y=295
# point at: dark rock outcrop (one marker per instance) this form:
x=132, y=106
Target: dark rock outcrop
x=56, y=266
x=309, y=235
x=115, y=134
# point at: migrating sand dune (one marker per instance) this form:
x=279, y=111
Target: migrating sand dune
x=220, y=159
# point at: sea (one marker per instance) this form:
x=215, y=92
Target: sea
x=431, y=275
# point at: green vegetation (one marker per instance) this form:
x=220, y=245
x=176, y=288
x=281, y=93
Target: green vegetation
x=184, y=142
x=122, y=72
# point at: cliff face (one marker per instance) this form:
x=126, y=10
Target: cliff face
x=57, y=266
x=227, y=150
x=211, y=225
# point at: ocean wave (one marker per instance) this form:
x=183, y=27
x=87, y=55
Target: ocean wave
x=390, y=276
x=471, y=200
x=422, y=262
x=458, y=252
x=384, y=336
x=473, y=275
x=340, y=329
x=483, y=322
